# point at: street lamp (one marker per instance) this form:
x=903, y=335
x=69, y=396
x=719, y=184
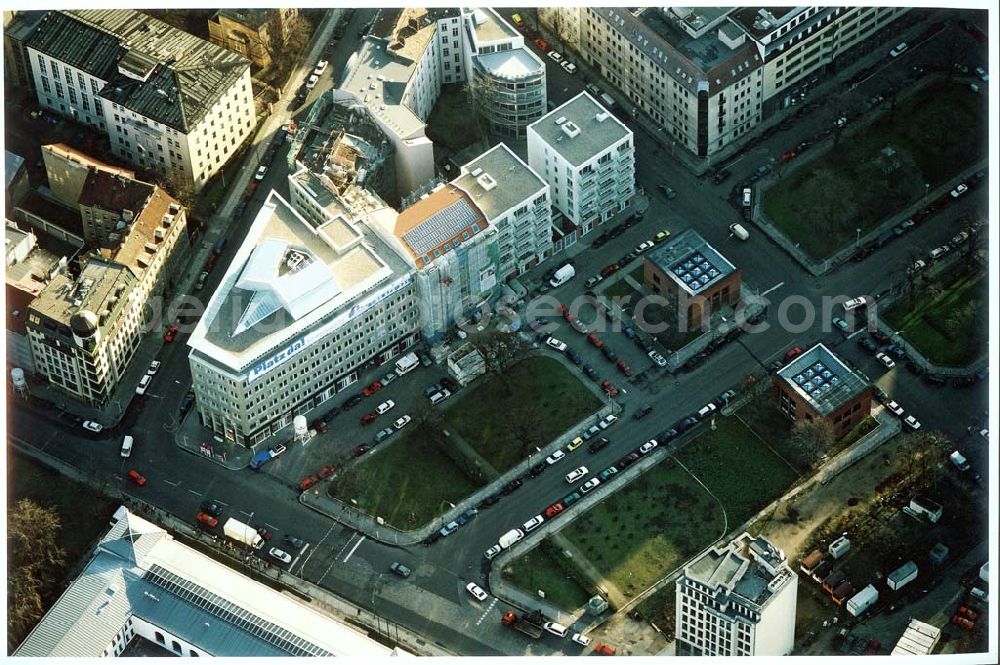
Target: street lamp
x=442, y=504
x=859, y=238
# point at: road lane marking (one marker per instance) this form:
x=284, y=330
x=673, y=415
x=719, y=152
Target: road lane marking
x=172, y=483
x=356, y=546
x=773, y=288
x=349, y=541
x=856, y=332
x=195, y=493
x=487, y=611
x=273, y=528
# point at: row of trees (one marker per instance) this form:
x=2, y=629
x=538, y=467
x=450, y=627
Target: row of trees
x=35, y=564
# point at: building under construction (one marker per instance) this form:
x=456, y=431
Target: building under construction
x=342, y=144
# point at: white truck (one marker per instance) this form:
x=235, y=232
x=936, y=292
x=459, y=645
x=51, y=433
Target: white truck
x=862, y=600
x=563, y=275
x=738, y=231
x=407, y=363
x=243, y=533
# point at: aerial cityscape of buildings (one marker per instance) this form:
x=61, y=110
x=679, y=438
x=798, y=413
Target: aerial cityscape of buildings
x=291, y=291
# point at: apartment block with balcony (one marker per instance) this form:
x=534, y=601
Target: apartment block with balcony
x=587, y=156
x=169, y=102
x=516, y=201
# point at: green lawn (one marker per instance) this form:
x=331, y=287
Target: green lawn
x=622, y=289
x=925, y=322
x=716, y=456
x=406, y=482
x=851, y=186
x=506, y=416
x=539, y=570
x=641, y=532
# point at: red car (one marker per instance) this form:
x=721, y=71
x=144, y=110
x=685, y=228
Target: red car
x=554, y=510
x=320, y=426
x=564, y=310
x=608, y=388
x=609, y=270
x=137, y=477
x=595, y=340
x=604, y=649
x=624, y=369
x=542, y=44
x=308, y=482
x=361, y=450
x=792, y=353
x=171, y=333
x=788, y=156
x=368, y=418
x=373, y=388
x=963, y=622
x=206, y=519
x=967, y=613
x=327, y=471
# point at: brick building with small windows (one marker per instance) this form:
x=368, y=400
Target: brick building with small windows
x=817, y=384
x=691, y=271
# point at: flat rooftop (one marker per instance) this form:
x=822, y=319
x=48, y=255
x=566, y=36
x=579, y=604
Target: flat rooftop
x=100, y=287
x=489, y=26
x=515, y=181
x=289, y=277
x=31, y=273
x=731, y=567
x=822, y=379
x=676, y=24
x=598, y=129
x=759, y=21
x=691, y=262
x=377, y=77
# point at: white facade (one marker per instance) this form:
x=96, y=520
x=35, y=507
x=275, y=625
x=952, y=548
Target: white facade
x=266, y=328
x=737, y=600
x=587, y=157
x=116, y=100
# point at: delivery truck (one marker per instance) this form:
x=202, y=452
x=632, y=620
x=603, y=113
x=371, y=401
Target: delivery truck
x=530, y=623
x=243, y=533
x=862, y=600
x=563, y=275
x=407, y=363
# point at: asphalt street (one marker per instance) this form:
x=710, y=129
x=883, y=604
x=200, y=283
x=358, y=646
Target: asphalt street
x=433, y=601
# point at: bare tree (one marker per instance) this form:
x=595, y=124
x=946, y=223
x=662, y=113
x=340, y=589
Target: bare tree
x=34, y=566
x=526, y=422
x=810, y=439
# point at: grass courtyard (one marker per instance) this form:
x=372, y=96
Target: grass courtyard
x=946, y=323
x=452, y=122
x=505, y=417
x=407, y=482
x=851, y=185
x=539, y=570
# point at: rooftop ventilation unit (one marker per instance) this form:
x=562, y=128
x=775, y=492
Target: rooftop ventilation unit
x=174, y=208
x=601, y=117
x=476, y=172
x=168, y=220
x=570, y=129
x=128, y=215
x=150, y=247
x=158, y=234
x=486, y=181
x=560, y=120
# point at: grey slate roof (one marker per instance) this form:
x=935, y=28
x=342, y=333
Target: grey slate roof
x=188, y=74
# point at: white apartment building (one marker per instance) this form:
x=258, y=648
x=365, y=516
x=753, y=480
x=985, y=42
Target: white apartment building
x=169, y=102
x=587, y=157
x=737, y=600
x=516, y=201
x=309, y=299
x=708, y=75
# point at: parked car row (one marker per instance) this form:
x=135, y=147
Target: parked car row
x=909, y=421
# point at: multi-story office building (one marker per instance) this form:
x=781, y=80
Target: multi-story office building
x=143, y=593
x=737, y=600
x=507, y=80
x=169, y=102
x=587, y=157
x=307, y=301
x=708, y=74
x=84, y=332
x=515, y=201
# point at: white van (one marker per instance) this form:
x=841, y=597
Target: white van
x=510, y=538
x=127, y=445
x=143, y=384
x=556, y=629
x=738, y=231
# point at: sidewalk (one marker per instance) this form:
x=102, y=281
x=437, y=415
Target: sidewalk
x=191, y=436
